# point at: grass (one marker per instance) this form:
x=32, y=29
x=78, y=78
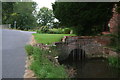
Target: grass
x=49, y=38
x=43, y=67
x=29, y=50
x=44, y=64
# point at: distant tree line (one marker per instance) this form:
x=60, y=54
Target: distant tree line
x=24, y=15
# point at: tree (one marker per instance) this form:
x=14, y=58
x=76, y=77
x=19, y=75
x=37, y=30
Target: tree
x=85, y=18
x=45, y=16
x=7, y=10
x=23, y=13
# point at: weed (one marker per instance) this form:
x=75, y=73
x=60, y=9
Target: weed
x=114, y=61
x=44, y=68
x=29, y=50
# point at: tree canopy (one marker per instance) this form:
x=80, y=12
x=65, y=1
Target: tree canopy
x=86, y=18
x=21, y=12
x=45, y=16
x=7, y=10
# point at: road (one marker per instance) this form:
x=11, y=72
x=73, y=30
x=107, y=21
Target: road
x=13, y=53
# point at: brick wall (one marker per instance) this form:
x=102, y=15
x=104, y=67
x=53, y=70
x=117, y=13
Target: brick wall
x=103, y=40
x=114, y=22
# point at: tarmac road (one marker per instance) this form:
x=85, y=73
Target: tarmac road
x=13, y=53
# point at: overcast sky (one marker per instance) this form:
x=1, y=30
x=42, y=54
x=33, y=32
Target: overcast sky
x=44, y=3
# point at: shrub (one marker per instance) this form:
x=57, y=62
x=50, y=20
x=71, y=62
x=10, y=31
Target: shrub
x=29, y=49
x=39, y=31
x=66, y=31
x=55, y=31
x=115, y=44
x=44, y=29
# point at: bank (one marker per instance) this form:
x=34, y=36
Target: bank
x=41, y=61
x=44, y=57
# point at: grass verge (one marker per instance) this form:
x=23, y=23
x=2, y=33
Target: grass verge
x=44, y=65
x=49, y=38
x=114, y=61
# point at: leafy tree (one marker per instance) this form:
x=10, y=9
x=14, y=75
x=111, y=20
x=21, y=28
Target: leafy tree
x=45, y=16
x=23, y=13
x=7, y=10
x=85, y=18
x=25, y=16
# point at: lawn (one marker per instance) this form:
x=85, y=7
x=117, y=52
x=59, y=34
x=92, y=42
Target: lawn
x=49, y=38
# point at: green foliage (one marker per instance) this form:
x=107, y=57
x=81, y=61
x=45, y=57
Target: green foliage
x=22, y=12
x=44, y=68
x=29, y=50
x=86, y=18
x=114, y=61
x=45, y=16
x=66, y=30
x=39, y=31
x=115, y=41
x=118, y=7
x=54, y=50
x=55, y=31
x=7, y=10
x=43, y=29
x=108, y=35
x=49, y=38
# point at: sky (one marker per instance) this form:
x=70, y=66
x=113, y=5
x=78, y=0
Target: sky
x=44, y=3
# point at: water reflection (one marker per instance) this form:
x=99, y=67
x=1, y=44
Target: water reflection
x=92, y=68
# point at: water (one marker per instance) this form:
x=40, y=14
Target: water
x=92, y=68
x=82, y=67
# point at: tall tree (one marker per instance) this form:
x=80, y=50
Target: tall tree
x=24, y=14
x=86, y=18
x=45, y=16
x=7, y=10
